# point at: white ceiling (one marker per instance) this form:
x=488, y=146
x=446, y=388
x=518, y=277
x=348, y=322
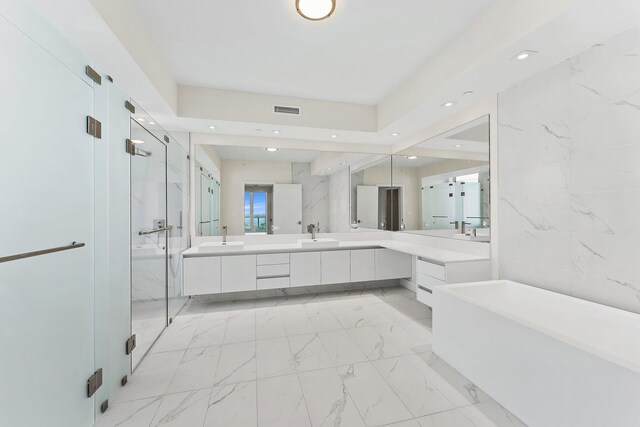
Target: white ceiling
x=359, y=55
x=261, y=154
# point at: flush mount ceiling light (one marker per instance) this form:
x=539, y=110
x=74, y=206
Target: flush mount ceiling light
x=271, y=149
x=524, y=55
x=315, y=10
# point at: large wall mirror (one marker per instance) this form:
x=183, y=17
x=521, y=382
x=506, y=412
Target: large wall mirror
x=254, y=190
x=372, y=195
x=442, y=184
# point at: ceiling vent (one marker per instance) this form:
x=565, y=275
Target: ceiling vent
x=286, y=110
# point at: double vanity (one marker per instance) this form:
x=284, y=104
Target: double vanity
x=221, y=268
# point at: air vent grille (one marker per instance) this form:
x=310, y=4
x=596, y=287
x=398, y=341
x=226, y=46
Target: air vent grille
x=286, y=110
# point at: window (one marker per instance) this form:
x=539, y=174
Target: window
x=256, y=210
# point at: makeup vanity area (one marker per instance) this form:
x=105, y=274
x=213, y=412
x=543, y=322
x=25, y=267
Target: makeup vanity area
x=372, y=231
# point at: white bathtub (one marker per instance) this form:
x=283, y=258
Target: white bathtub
x=551, y=359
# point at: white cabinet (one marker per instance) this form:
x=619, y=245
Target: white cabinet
x=363, y=265
x=336, y=267
x=391, y=264
x=306, y=269
x=238, y=273
x=431, y=274
x=201, y=275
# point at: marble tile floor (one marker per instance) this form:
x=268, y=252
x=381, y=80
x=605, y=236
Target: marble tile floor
x=359, y=358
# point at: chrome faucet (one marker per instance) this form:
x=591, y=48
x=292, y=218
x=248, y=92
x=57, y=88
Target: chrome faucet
x=463, y=227
x=225, y=229
x=311, y=228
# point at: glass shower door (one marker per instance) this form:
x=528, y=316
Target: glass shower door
x=149, y=240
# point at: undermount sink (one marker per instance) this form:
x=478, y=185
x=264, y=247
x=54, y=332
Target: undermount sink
x=218, y=247
x=318, y=243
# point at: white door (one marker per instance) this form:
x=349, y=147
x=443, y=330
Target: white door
x=46, y=183
x=204, y=227
x=287, y=209
x=367, y=206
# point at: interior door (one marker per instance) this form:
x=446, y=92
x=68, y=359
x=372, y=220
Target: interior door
x=46, y=183
x=287, y=209
x=367, y=206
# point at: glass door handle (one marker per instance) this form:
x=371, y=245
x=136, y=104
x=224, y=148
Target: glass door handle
x=16, y=257
x=157, y=230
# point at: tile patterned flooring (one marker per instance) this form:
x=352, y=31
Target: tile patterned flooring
x=359, y=358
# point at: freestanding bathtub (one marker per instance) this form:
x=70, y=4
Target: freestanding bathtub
x=551, y=359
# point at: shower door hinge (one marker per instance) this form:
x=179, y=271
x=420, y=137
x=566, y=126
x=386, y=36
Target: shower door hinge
x=129, y=106
x=166, y=139
x=104, y=406
x=130, y=344
x=94, y=127
x=462, y=194
x=130, y=147
x=94, y=383
x=93, y=74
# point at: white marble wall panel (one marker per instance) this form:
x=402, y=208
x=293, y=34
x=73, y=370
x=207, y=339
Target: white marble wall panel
x=339, y=202
x=315, y=196
x=569, y=167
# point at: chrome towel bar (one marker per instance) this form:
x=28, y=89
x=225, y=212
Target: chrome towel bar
x=158, y=230
x=73, y=245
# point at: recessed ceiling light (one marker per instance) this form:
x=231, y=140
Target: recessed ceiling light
x=524, y=55
x=458, y=145
x=395, y=134
x=412, y=157
x=271, y=149
x=152, y=123
x=212, y=127
x=315, y=10
x=469, y=92
x=276, y=132
x=334, y=135
x=448, y=104
x=137, y=141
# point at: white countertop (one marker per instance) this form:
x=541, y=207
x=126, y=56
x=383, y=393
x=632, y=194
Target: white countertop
x=434, y=254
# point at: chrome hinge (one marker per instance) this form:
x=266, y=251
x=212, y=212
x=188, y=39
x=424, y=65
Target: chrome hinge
x=462, y=194
x=129, y=106
x=166, y=139
x=104, y=406
x=130, y=147
x=131, y=344
x=93, y=75
x=124, y=380
x=94, y=127
x=94, y=383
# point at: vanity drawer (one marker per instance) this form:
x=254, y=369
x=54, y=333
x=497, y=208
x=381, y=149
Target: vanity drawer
x=273, y=283
x=425, y=296
x=273, y=270
x=431, y=269
x=428, y=281
x=268, y=259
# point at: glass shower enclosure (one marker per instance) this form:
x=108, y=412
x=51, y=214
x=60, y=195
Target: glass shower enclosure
x=159, y=206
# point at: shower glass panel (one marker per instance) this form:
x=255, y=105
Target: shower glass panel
x=149, y=239
x=177, y=213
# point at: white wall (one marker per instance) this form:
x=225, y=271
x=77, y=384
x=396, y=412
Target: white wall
x=570, y=177
x=234, y=175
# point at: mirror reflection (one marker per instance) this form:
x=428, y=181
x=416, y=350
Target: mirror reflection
x=443, y=184
x=374, y=199
x=254, y=190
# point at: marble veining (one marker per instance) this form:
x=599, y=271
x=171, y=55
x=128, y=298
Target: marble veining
x=570, y=182
x=340, y=359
